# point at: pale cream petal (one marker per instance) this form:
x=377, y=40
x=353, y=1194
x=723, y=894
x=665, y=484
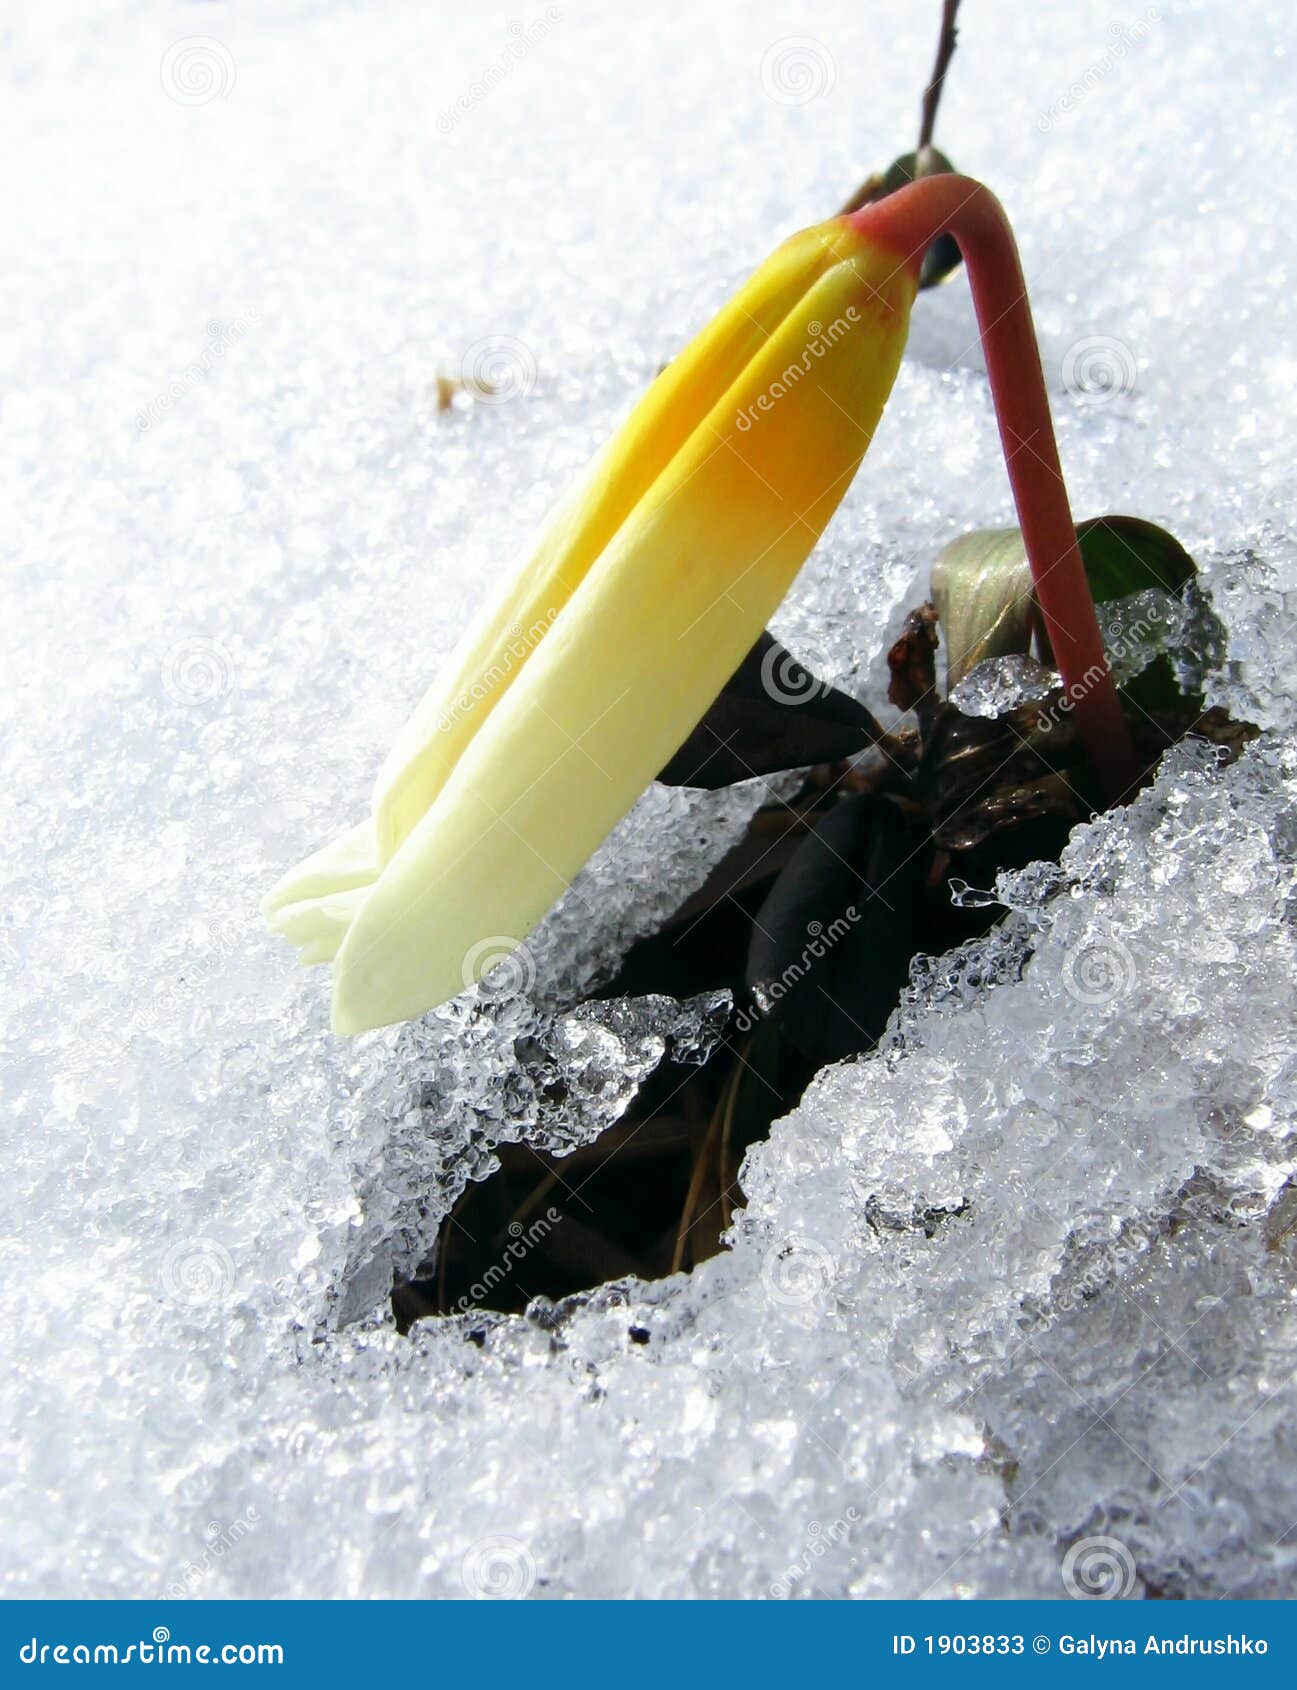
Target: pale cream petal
x=319, y=925
x=350, y=860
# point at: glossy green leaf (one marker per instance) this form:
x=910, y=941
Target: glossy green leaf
x=981, y=583
x=831, y=945
x=1125, y=554
x=772, y=714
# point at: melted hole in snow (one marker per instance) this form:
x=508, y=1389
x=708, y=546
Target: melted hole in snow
x=655, y=1191
x=795, y=953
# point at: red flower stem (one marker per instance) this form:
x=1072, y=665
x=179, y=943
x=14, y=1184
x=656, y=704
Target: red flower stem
x=911, y=219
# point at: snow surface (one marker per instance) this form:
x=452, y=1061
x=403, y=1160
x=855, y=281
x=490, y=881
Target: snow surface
x=1013, y=1309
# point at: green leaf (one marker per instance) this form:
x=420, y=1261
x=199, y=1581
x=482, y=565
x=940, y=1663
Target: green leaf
x=1156, y=692
x=831, y=945
x=1125, y=554
x=910, y=167
x=770, y=715
x=982, y=588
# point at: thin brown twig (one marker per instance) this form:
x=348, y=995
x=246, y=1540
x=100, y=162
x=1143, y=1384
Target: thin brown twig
x=727, y=1129
x=718, y=1125
x=946, y=42
x=872, y=186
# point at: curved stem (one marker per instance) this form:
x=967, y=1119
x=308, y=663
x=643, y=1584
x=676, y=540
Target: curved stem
x=911, y=219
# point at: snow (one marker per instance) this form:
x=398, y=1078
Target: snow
x=1016, y=1290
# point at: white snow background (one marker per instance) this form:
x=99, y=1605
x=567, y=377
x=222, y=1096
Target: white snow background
x=1006, y=1314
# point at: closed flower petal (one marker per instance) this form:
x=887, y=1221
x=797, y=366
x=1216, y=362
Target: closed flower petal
x=590, y=669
